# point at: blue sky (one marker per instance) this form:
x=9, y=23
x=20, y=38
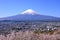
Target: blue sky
x=44, y=7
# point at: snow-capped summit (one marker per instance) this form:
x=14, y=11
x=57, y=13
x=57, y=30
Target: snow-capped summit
x=31, y=16
x=29, y=11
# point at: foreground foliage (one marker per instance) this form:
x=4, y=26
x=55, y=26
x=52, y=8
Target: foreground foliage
x=29, y=35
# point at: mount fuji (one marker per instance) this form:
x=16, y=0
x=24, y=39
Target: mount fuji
x=30, y=15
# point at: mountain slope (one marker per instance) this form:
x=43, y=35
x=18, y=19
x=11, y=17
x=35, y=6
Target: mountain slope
x=30, y=15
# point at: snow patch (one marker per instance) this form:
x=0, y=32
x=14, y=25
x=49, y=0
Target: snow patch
x=29, y=11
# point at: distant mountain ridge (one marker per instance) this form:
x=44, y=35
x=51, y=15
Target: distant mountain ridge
x=30, y=15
